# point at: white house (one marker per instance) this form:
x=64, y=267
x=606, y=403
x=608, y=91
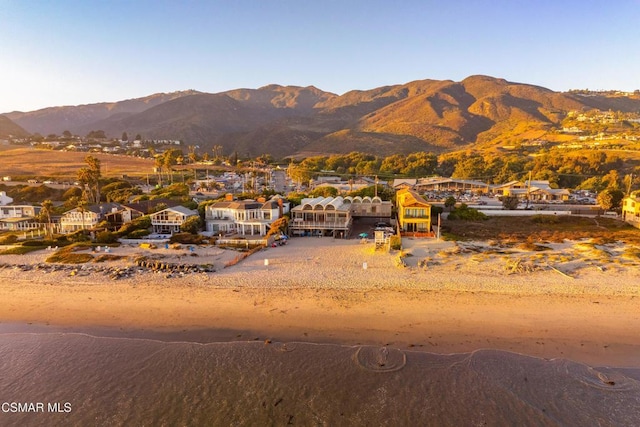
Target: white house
x=18, y=217
x=168, y=221
x=322, y=216
x=245, y=217
x=4, y=199
x=87, y=218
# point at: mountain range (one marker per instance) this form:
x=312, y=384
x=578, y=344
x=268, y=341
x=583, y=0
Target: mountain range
x=424, y=115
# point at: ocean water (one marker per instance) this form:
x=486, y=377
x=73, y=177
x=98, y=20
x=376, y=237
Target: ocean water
x=83, y=380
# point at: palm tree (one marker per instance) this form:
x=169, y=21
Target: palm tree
x=47, y=207
x=82, y=207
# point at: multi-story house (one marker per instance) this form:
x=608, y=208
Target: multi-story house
x=169, y=221
x=18, y=217
x=322, y=216
x=244, y=217
x=87, y=218
x=414, y=213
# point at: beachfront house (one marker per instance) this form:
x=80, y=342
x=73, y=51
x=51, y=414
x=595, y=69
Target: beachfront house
x=169, y=221
x=86, y=218
x=244, y=217
x=631, y=209
x=322, y=216
x=414, y=214
x=18, y=217
x=371, y=207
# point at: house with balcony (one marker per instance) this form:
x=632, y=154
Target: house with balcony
x=244, y=217
x=414, y=214
x=322, y=216
x=169, y=221
x=18, y=217
x=87, y=218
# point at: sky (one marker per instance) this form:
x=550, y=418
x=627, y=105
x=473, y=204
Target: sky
x=65, y=52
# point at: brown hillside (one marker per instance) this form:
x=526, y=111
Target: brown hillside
x=72, y=118
x=9, y=129
x=292, y=97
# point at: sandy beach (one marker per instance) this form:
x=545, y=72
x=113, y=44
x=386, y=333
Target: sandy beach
x=576, y=301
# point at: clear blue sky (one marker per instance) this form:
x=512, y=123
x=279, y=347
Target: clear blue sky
x=62, y=52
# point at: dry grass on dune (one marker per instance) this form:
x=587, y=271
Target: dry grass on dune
x=516, y=230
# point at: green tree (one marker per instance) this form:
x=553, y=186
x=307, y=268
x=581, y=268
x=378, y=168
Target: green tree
x=324, y=191
x=96, y=134
x=298, y=174
x=280, y=225
x=89, y=177
x=472, y=167
x=47, y=209
x=464, y=212
x=192, y=225
x=510, y=202
x=610, y=199
x=450, y=202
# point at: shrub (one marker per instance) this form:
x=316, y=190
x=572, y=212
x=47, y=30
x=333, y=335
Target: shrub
x=67, y=255
x=187, y=238
x=106, y=237
x=44, y=243
x=395, y=242
x=141, y=223
x=137, y=234
x=510, y=202
x=78, y=236
x=465, y=213
x=545, y=219
x=9, y=239
x=21, y=250
x=191, y=225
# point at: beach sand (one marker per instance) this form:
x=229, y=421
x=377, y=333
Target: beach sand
x=577, y=301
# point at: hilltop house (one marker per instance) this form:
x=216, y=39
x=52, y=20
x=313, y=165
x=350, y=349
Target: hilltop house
x=245, y=217
x=169, y=221
x=414, y=214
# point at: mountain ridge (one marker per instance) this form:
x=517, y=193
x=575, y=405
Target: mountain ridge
x=422, y=115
